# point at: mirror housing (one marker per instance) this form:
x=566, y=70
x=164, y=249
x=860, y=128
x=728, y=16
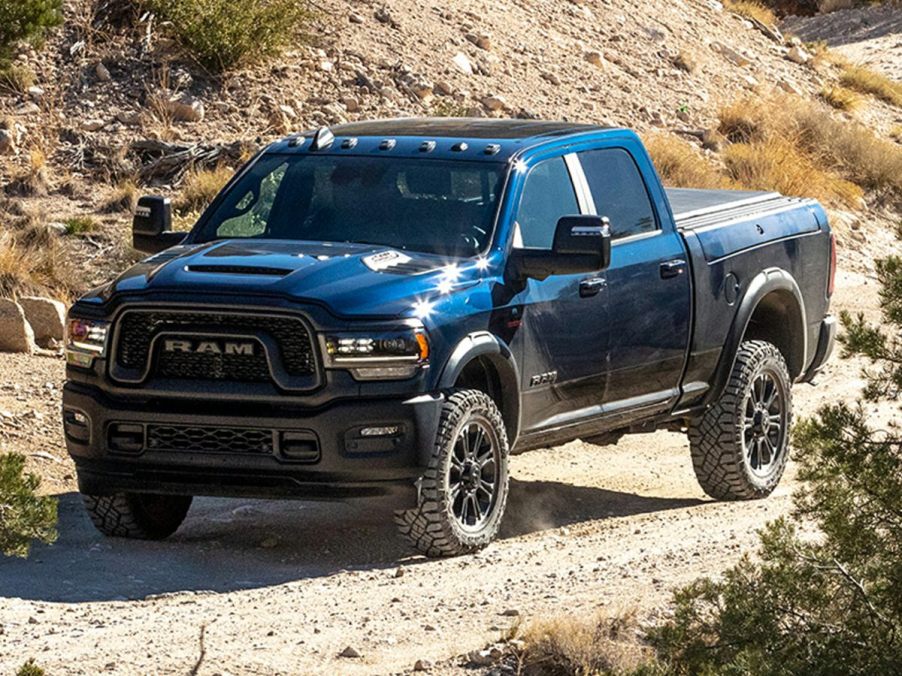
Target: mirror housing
x=152, y=226
x=582, y=244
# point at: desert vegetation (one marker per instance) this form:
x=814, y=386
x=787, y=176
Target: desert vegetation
x=24, y=515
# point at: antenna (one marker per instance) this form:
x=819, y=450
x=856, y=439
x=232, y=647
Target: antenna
x=323, y=138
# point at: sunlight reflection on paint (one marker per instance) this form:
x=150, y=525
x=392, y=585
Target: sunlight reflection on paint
x=423, y=309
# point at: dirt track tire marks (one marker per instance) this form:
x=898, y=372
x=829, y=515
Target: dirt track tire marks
x=716, y=439
x=137, y=516
x=431, y=527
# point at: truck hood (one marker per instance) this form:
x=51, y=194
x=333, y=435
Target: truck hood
x=349, y=279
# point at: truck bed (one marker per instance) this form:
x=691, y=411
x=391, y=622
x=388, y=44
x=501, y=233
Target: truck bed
x=728, y=221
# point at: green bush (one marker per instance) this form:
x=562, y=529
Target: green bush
x=30, y=668
x=24, y=516
x=827, y=600
x=26, y=20
x=224, y=34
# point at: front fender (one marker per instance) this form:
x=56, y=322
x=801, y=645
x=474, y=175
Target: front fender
x=498, y=354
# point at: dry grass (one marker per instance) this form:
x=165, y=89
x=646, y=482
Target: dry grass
x=682, y=165
x=753, y=10
x=17, y=78
x=896, y=133
x=791, y=145
x=201, y=186
x=32, y=181
x=569, y=645
x=841, y=98
x=776, y=164
x=867, y=81
x=33, y=262
x=123, y=199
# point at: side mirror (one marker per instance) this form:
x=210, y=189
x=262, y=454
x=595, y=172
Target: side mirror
x=152, y=225
x=582, y=244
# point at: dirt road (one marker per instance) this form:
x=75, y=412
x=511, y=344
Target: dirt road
x=284, y=587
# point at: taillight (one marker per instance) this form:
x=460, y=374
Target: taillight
x=831, y=279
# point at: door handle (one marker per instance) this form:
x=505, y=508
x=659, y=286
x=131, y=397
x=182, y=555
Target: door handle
x=591, y=287
x=673, y=268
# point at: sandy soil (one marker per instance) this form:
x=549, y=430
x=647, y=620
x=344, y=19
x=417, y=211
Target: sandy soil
x=284, y=587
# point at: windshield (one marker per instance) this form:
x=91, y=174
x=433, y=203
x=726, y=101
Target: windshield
x=432, y=206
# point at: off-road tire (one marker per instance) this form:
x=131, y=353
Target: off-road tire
x=431, y=527
x=137, y=515
x=716, y=439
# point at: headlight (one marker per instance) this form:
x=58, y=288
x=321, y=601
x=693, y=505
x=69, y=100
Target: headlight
x=85, y=340
x=378, y=355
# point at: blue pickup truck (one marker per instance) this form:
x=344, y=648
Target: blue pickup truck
x=394, y=308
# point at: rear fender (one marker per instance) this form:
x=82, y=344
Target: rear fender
x=795, y=335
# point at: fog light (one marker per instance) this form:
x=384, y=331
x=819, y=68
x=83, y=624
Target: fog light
x=77, y=418
x=386, y=431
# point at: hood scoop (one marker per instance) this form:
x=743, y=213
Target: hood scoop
x=262, y=271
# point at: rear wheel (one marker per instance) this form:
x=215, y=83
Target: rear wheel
x=741, y=445
x=142, y=516
x=463, y=492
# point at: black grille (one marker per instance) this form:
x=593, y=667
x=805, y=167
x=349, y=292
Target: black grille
x=194, y=366
x=209, y=439
x=137, y=330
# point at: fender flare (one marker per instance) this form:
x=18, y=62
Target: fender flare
x=489, y=346
x=764, y=283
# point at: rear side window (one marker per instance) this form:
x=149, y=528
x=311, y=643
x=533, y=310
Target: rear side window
x=547, y=195
x=619, y=191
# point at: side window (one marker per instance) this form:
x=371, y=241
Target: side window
x=547, y=195
x=619, y=191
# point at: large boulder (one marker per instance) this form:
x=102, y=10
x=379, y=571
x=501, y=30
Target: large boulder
x=47, y=318
x=15, y=331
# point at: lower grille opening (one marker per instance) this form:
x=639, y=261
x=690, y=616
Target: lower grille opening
x=209, y=439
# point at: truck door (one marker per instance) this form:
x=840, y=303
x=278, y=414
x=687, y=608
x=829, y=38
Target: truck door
x=648, y=285
x=563, y=332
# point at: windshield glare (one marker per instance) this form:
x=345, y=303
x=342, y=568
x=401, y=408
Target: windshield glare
x=432, y=206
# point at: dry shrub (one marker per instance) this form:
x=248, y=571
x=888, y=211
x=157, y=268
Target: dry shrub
x=570, y=645
x=776, y=164
x=17, y=78
x=682, y=165
x=684, y=61
x=867, y=81
x=32, y=263
x=788, y=144
x=31, y=181
x=123, y=199
x=841, y=98
x=753, y=10
x=201, y=186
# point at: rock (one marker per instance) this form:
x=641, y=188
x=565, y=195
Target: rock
x=7, y=143
x=36, y=93
x=349, y=652
x=351, y=104
x=797, y=54
x=511, y=612
x=185, y=108
x=481, y=40
x=483, y=658
x=443, y=88
x=47, y=318
x=354, y=17
x=422, y=665
x=494, y=103
x=594, y=57
x=288, y=111
x=58, y=228
x=102, y=72
x=384, y=16
x=462, y=63
x=93, y=124
x=789, y=87
x=422, y=89
x=552, y=78
x=16, y=334
x=29, y=108
x=131, y=119
x=731, y=54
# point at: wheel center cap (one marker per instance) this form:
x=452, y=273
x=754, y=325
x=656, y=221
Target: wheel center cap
x=470, y=476
x=761, y=422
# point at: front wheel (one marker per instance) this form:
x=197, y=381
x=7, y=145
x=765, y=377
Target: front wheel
x=137, y=515
x=464, y=490
x=741, y=444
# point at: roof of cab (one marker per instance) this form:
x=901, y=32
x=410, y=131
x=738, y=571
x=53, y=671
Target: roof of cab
x=454, y=137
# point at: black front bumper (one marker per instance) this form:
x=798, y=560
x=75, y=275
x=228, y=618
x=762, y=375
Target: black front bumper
x=227, y=449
